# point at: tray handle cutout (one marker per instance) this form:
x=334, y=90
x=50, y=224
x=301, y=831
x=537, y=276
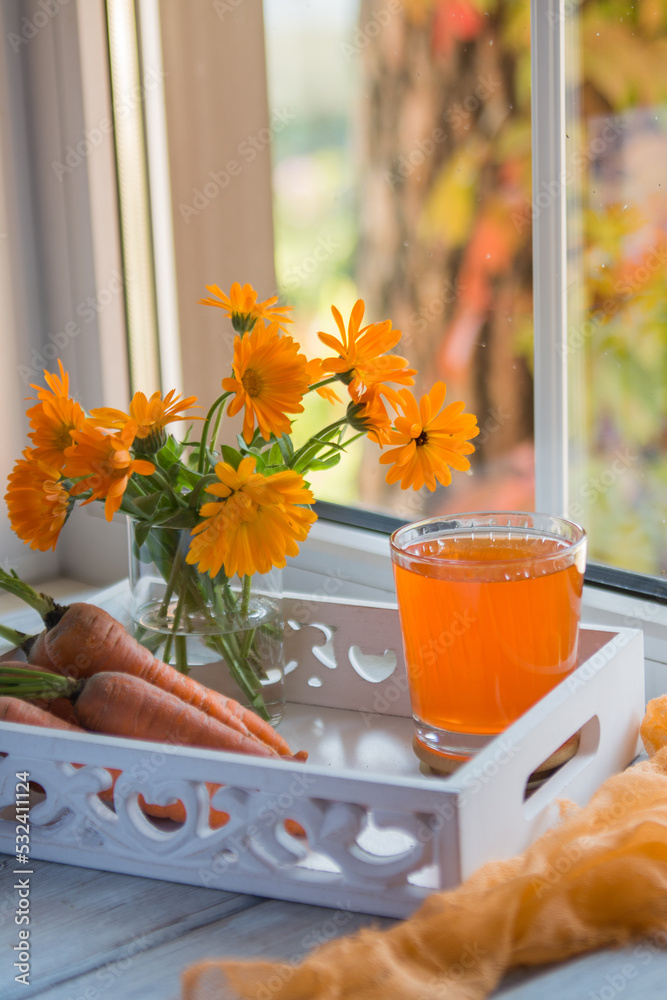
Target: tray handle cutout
x=604, y=699
x=541, y=791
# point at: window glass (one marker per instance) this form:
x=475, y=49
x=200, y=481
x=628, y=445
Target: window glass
x=403, y=176
x=617, y=332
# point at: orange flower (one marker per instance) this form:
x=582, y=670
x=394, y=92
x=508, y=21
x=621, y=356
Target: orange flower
x=255, y=525
x=316, y=374
x=430, y=441
x=105, y=463
x=361, y=361
x=54, y=418
x=244, y=309
x=270, y=379
x=370, y=415
x=37, y=502
x=150, y=416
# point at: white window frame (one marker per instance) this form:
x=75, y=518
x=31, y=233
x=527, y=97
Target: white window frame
x=337, y=560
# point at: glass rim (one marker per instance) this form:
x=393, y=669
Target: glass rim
x=572, y=545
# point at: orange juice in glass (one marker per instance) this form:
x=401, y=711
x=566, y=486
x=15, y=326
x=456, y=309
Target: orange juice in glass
x=489, y=606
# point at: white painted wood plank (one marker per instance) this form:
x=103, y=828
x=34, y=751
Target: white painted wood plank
x=288, y=931
x=82, y=919
x=637, y=972
x=271, y=930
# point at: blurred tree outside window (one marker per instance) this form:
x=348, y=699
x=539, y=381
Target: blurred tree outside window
x=411, y=182
x=404, y=176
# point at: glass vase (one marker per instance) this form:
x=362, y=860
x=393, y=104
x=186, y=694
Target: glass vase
x=188, y=618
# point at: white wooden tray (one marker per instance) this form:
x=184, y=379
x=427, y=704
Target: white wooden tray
x=380, y=834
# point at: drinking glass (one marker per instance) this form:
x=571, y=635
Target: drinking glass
x=489, y=605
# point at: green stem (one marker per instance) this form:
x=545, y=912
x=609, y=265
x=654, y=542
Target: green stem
x=216, y=429
x=201, y=460
x=245, y=604
x=325, y=381
x=248, y=683
x=315, y=439
x=245, y=596
x=176, y=568
x=247, y=643
x=13, y=635
x=180, y=641
x=201, y=486
x=24, y=683
x=166, y=652
x=181, y=648
x=42, y=603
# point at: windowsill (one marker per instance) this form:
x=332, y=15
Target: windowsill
x=342, y=562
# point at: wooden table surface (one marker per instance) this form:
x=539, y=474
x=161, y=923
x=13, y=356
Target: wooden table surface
x=101, y=936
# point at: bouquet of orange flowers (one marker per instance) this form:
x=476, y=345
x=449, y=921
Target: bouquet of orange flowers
x=242, y=509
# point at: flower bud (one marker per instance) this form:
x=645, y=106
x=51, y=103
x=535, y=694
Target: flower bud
x=243, y=322
x=152, y=443
x=358, y=417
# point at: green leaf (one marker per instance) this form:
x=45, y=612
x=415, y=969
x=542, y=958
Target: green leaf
x=244, y=448
x=161, y=517
x=286, y=446
x=189, y=477
x=324, y=463
x=141, y=533
x=316, y=444
x=174, y=472
x=169, y=454
x=183, y=519
x=231, y=456
x=275, y=455
x=147, y=505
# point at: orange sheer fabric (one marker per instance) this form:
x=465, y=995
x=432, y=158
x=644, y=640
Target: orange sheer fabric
x=598, y=878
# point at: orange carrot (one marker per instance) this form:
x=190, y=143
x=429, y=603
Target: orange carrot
x=174, y=811
x=87, y=640
x=124, y=705
x=17, y=710
x=35, y=649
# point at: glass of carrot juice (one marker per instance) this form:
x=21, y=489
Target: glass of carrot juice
x=489, y=605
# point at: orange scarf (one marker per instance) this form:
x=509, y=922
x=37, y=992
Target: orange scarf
x=598, y=878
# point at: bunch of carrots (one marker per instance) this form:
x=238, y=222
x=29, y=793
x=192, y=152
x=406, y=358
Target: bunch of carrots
x=85, y=672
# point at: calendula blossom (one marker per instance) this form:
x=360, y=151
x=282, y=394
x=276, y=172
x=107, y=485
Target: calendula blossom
x=37, y=502
x=361, y=361
x=54, y=418
x=316, y=374
x=105, y=462
x=150, y=416
x=430, y=440
x=242, y=306
x=242, y=507
x=270, y=379
x=254, y=525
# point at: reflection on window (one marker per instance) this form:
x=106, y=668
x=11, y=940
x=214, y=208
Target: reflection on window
x=403, y=176
x=617, y=332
